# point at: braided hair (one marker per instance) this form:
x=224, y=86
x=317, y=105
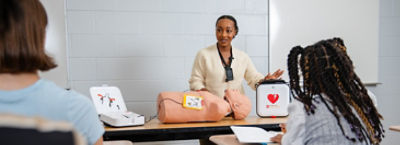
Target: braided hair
x=333, y=74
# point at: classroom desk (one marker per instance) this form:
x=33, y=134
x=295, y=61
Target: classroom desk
x=154, y=130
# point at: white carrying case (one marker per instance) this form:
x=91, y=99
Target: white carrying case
x=272, y=98
x=111, y=107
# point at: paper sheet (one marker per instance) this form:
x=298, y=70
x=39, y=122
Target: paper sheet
x=252, y=134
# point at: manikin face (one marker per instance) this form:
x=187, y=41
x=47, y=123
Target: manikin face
x=225, y=32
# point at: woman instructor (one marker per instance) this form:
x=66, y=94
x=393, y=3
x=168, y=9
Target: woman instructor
x=220, y=66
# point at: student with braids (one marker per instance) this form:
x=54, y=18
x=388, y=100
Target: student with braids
x=331, y=105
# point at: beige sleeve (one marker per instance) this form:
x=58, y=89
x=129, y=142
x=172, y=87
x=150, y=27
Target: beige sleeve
x=197, y=77
x=251, y=75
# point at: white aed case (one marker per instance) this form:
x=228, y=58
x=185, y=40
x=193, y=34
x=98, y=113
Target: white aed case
x=272, y=98
x=111, y=107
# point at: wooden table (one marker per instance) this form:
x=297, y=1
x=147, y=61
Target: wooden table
x=154, y=130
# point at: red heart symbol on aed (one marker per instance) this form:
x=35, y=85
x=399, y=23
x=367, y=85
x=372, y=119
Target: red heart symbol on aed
x=273, y=98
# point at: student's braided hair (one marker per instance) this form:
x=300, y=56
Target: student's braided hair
x=326, y=68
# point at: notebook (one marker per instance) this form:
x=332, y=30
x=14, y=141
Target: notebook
x=253, y=134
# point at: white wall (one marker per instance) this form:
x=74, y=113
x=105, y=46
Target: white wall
x=110, y=42
x=148, y=46
x=56, y=41
x=306, y=22
x=389, y=59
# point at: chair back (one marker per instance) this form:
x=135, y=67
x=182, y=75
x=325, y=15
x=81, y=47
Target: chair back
x=21, y=130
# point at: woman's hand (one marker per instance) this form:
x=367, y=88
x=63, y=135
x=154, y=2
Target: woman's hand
x=283, y=127
x=277, y=138
x=276, y=75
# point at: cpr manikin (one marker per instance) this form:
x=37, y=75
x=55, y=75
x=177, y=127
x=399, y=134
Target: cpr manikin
x=201, y=106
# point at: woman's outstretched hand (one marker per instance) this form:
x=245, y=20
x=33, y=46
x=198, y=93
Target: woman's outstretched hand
x=276, y=75
x=278, y=137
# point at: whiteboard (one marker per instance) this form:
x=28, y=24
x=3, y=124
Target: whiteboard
x=305, y=22
x=56, y=41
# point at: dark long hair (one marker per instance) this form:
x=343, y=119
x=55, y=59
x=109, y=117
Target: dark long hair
x=326, y=68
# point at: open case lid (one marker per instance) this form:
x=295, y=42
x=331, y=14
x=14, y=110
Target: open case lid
x=107, y=99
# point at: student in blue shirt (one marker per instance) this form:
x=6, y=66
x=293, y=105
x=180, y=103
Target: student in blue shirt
x=22, y=54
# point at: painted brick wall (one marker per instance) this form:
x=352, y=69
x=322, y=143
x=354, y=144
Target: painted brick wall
x=148, y=46
x=389, y=61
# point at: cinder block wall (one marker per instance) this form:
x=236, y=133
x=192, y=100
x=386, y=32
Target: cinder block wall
x=389, y=59
x=148, y=46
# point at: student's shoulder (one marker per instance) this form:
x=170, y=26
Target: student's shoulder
x=78, y=98
x=50, y=86
x=54, y=88
x=296, y=107
x=62, y=94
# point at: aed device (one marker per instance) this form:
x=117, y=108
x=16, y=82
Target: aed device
x=111, y=107
x=272, y=98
